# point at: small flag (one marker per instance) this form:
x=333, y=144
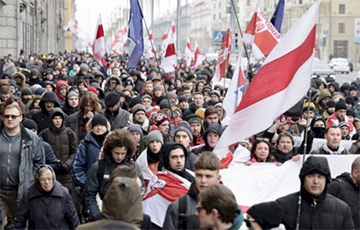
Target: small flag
x=197, y=56
x=188, y=53
x=169, y=61
x=224, y=56
x=98, y=47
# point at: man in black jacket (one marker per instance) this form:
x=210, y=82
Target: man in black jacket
x=318, y=209
x=346, y=188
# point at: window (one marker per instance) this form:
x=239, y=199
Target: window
x=341, y=28
x=248, y=2
x=341, y=48
x=342, y=9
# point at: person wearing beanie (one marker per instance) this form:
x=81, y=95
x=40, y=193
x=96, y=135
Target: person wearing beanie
x=163, y=124
x=71, y=103
x=329, y=109
x=26, y=95
x=157, y=93
x=267, y=215
x=146, y=101
x=351, y=104
x=340, y=115
x=312, y=110
x=211, y=138
x=183, y=135
x=137, y=132
x=117, y=116
x=196, y=125
x=215, y=96
x=183, y=103
x=344, y=127
x=138, y=116
x=89, y=148
x=317, y=206
x=333, y=142
x=34, y=77
x=324, y=97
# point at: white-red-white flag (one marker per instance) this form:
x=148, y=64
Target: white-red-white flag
x=169, y=60
x=224, y=56
x=281, y=82
x=188, y=53
x=99, y=44
x=119, y=40
x=261, y=35
x=150, y=51
x=197, y=55
x=164, y=41
x=72, y=26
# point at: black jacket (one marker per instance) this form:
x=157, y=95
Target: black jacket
x=344, y=188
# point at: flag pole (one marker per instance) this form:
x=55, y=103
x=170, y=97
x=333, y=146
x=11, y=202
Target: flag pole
x=245, y=49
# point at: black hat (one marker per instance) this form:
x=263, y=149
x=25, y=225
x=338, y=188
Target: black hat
x=330, y=104
x=350, y=100
x=99, y=119
x=182, y=98
x=111, y=99
x=350, y=112
x=340, y=105
x=164, y=104
x=26, y=91
x=268, y=214
x=30, y=124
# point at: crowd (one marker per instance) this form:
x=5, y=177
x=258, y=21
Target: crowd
x=73, y=133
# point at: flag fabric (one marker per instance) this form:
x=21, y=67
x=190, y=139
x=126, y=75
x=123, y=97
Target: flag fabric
x=281, y=82
x=224, y=56
x=169, y=60
x=261, y=35
x=72, y=26
x=164, y=41
x=188, y=53
x=150, y=51
x=197, y=55
x=235, y=90
x=119, y=40
x=135, y=33
x=278, y=15
x=98, y=47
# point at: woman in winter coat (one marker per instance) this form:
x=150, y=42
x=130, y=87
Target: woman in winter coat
x=46, y=204
x=261, y=151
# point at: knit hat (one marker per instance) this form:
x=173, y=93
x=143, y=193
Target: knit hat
x=306, y=105
x=72, y=93
x=343, y=123
x=30, y=124
x=137, y=108
x=34, y=72
x=111, y=99
x=35, y=87
x=201, y=113
x=134, y=101
x=215, y=92
x=164, y=104
x=155, y=136
x=352, y=88
x=39, y=91
x=145, y=96
x=160, y=118
x=172, y=95
x=26, y=91
x=193, y=118
x=84, y=67
x=330, y=104
x=350, y=100
x=135, y=128
x=182, y=98
x=99, y=119
x=158, y=87
x=184, y=126
x=268, y=214
x=350, y=112
x=340, y=105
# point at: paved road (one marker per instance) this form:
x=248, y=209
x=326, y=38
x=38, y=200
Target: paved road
x=341, y=78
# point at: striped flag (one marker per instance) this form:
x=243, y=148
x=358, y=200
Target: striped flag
x=188, y=53
x=169, y=61
x=197, y=55
x=98, y=48
x=224, y=56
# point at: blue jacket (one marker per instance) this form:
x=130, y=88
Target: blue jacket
x=50, y=158
x=84, y=158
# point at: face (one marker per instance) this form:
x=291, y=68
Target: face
x=146, y=102
x=262, y=151
x=158, y=93
x=212, y=119
x=333, y=137
x=88, y=108
x=198, y=100
x=99, y=129
x=330, y=110
x=139, y=117
x=114, y=107
x=187, y=93
x=309, y=114
x=149, y=88
x=214, y=98
x=118, y=154
x=156, y=82
x=200, y=87
x=315, y=183
x=212, y=139
x=62, y=91
x=340, y=114
x=344, y=131
x=73, y=101
x=164, y=127
x=11, y=118
x=49, y=105
x=46, y=181
x=4, y=96
x=205, y=178
x=206, y=220
x=181, y=137
x=285, y=144
x=177, y=159
x=49, y=88
x=136, y=136
x=195, y=129
x=183, y=105
x=155, y=146
x=57, y=121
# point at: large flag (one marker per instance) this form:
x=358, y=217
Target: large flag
x=197, y=55
x=224, y=56
x=98, y=48
x=150, y=51
x=169, y=61
x=281, y=82
x=135, y=33
x=261, y=35
x=278, y=15
x=119, y=40
x=72, y=26
x=188, y=53
x=236, y=89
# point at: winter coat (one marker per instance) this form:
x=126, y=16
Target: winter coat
x=118, y=120
x=122, y=202
x=50, y=158
x=344, y=188
x=22, y=85
x=324, y=150
x=47, y=211
x=73, y=122
x=86, y=155
x=333, y=120
x=282, y=157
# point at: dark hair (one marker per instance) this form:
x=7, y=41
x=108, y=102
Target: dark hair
x=253, y=149
x=120, y=138
x=210, y=110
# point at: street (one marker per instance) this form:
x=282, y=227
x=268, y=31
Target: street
x=341, y=78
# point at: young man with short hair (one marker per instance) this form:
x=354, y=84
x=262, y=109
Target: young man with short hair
x=332, y=145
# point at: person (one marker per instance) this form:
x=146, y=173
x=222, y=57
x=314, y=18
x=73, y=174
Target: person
x=332, y=145
x=339, y=116
x=114, y=113
x=267, y=215
x=285, y=149
x=71, y=103
x=211, y=137
x=21, y=153
x=138, y=116
x=344, y=127
x=261, y=151
x=46, y=204
x=122, y=202
x=137, y=133
x=318, y=209
x=211, y=116
x=346, y=188
x=217, y=209
x=118, y=148
x=163, y=124
x=196, y=125
x=183, y=135
x=180, y=214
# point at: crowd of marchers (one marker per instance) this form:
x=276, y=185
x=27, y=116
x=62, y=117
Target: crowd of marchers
x=73, y=132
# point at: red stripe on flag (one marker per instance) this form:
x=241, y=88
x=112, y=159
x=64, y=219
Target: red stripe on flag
x=283, y=68
x=100, y=32
x=170, y=50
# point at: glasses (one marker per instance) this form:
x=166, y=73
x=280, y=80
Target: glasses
x=198, y=208
x=11, y=116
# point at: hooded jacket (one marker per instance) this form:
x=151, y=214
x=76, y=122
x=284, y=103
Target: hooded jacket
x=214, y=128
x=322, y=212
x=22, y=84
x=61, y=98
x=53, y=210
x=123, y=202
